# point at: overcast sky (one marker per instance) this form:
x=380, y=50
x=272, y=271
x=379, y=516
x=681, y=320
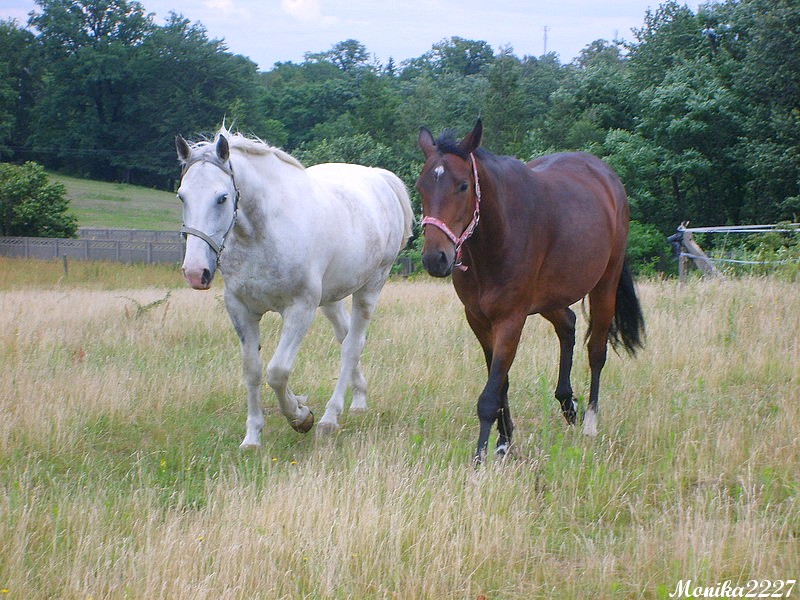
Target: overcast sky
x=270, y=31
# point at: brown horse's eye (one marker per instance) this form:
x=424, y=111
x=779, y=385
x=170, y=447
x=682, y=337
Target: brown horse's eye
x=463, y=187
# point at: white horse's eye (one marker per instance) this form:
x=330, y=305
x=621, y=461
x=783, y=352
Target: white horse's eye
x=222, y=199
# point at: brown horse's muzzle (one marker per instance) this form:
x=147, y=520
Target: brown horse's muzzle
x=438, y=259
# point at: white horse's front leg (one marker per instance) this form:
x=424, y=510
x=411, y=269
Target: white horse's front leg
x=246, y=324
x=352, y=347
x=296, y=321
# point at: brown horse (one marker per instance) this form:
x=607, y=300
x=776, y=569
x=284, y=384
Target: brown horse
x=533, y=238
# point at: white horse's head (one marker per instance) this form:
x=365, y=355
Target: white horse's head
x=209, y=196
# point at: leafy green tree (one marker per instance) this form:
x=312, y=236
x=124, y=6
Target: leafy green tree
x=760, y=55
x=454, y=56
x=118, y=88
x=461, y=56
x=32, y=206
x=349, y=56
x=360, y=149
x=303, y=96
x=695, y=120
x=91, y=84
x=20, y=77
x=188, y=83
x=670, y=34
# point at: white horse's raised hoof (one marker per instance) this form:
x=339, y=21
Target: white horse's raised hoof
x=306, y=425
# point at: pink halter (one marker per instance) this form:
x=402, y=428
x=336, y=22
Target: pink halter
x=458, y=241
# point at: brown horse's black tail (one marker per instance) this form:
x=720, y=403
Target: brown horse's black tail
x=627, y=329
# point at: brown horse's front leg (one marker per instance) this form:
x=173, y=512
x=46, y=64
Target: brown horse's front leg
x=493, y=401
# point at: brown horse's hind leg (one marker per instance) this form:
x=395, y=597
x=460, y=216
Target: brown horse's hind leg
x=602, y=301
x=564, y=323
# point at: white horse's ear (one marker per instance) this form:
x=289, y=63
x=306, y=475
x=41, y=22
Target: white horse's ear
x=426, y=142
x=223, y=150
x=184, y=152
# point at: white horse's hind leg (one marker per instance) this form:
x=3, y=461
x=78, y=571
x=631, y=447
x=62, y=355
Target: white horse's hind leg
x=296, y=321
x=338, y=316
x=246, y=325
x=353, y=345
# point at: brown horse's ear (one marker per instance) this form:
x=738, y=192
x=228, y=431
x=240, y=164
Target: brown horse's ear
x=472, y=140
x=184, y=152
x=223, y=150
x=426, y=142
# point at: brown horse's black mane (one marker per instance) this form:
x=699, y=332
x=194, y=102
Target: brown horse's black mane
x=448, y=143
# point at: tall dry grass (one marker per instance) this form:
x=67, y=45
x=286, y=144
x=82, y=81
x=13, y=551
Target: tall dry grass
x=121, y=411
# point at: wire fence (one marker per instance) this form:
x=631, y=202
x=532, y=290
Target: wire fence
x=686, y=248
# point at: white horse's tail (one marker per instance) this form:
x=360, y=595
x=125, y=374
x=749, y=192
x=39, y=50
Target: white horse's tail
x=401, y=194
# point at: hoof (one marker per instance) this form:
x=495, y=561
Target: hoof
x=571, y=412
x=325, y=428
x=590, y=423
x=305, y=425
x=358, y=410
x=251, y=441
x=503, y=450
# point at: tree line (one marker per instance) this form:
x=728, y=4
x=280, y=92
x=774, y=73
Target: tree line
x=699, y=114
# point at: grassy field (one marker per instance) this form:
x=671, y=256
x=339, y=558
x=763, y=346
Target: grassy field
x=120, y=474
x=119, y=205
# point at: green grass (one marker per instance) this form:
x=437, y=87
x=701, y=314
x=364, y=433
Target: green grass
x=119, y=205
x=120, y=474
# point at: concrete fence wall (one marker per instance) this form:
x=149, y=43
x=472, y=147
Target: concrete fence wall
x=112, y=250
x=117, y=245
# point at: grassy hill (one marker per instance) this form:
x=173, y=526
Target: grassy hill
x=112, y=205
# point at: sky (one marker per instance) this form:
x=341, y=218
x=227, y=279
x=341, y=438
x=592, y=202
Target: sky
x=270, y=31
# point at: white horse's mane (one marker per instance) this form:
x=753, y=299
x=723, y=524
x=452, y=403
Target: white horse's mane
x=250, y=145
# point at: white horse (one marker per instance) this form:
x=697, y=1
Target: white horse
x=290, y=239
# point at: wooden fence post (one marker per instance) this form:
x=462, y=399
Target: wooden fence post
x=699, y=257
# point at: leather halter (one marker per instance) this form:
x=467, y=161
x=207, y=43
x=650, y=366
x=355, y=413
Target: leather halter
x=185, y=231
x=458, y=241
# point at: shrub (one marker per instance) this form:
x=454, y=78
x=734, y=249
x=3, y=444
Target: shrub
x=30, y=205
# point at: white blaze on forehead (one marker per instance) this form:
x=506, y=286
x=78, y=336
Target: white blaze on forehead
x=438, y=171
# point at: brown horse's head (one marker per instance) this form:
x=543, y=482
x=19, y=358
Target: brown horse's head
x=448, y=192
